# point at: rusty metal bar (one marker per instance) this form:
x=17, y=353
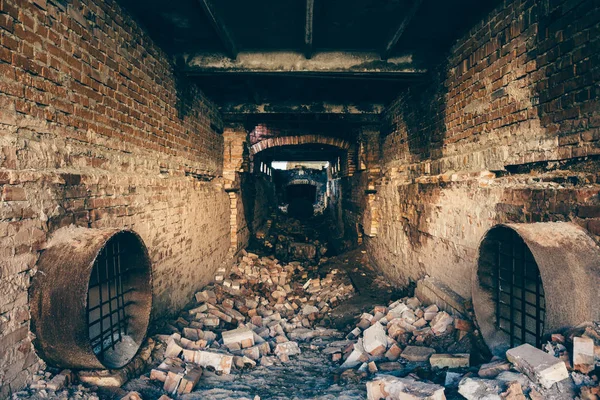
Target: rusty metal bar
x=109, y=277
x=515, y=277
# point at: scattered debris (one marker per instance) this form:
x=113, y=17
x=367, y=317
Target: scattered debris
x=264, y=315
x=539, y=366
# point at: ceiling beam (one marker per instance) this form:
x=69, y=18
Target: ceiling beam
x=322, y=64
x=220, y=28
x=308, y=28
x=301, y=108
x=385, y=54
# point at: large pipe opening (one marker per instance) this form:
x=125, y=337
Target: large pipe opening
x=91, y=298
x=508, y=272
x=532, y=280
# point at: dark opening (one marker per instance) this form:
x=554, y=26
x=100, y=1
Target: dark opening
x=301, y=199
x=111, y=293
x=509, y=271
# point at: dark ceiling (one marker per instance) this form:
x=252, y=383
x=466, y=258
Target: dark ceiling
x=304, y=152
x=378, y=33
x=183, y=26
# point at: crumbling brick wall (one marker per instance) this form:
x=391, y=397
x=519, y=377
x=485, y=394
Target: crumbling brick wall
x=506, y=130
x=259, y=195
x=96, y=131
x=352, y=207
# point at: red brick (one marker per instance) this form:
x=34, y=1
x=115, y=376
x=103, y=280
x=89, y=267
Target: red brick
x=13, y=193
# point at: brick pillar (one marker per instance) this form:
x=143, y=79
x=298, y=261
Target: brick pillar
x=370, y=157
x=235, y=157
x=235, y=163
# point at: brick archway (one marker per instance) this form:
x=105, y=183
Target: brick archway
x=298, y=140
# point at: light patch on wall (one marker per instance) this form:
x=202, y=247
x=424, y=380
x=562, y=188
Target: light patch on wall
x=285, y=165
x=279, y=165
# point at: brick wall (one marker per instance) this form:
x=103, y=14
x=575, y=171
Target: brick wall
x=352, y=206
x=96, y=131
x=259, y=196
x=506, y=129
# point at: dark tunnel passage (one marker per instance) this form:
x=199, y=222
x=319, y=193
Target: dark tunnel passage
x=301, y=199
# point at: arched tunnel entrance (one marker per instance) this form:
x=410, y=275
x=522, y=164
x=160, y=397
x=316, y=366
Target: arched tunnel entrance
x=305, y=174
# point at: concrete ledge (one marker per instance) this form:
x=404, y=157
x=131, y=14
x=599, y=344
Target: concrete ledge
x=432, y=291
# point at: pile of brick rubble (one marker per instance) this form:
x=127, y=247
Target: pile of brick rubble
x=259, y=313
x=255, y=315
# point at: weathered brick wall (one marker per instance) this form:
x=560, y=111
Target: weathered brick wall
x=259, y=195
x=518, y=95
x=96, y=131
x=251, y=194
x=352, y=205
x=346, y=207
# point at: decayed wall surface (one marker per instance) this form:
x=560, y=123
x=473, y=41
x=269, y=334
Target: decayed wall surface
x=96, y=131
x=352, y=207
x=506, y=131
x=259, y=197
x=252, y=195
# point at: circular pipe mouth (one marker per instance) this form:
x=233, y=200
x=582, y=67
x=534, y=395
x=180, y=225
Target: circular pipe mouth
x=91, y=298
x=117, y=300
x=532, y=280
x=511, y=303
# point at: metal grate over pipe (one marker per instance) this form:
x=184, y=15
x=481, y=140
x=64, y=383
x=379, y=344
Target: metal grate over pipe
x=107, y=316
x=518, y=292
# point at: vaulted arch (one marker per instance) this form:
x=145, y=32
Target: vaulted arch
x=298, y=140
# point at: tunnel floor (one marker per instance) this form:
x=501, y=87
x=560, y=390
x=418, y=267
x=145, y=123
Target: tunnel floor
x=350, y=294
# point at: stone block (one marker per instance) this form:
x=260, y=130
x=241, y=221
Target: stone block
x=417, y=353
x=583, y=353
x=372, y=367
x=433, y=291
x=356, y=357
x=439, y=324
x=396, y=312
x=375, y=340
x=393, y=352
x=449, y=360
x=189, y=381
x=104, y=378
x=158, y=375
x=492, y=369
x=288, y=348
x=430, y=312
x=172, y=382
x=220, y=362
x=479, y=389
x=252, y=353
x=538, y=365
x=392, y=388
x=243, y=336
x=452, y=379
x=173, y=349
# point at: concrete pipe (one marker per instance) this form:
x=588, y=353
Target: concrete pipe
x=566, y=261
x=91, y=298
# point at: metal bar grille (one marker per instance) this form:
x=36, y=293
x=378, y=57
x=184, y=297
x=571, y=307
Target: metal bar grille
x=518, y=291
x=107, y=306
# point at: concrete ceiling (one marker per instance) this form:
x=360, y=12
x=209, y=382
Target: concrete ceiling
x=256, y=58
